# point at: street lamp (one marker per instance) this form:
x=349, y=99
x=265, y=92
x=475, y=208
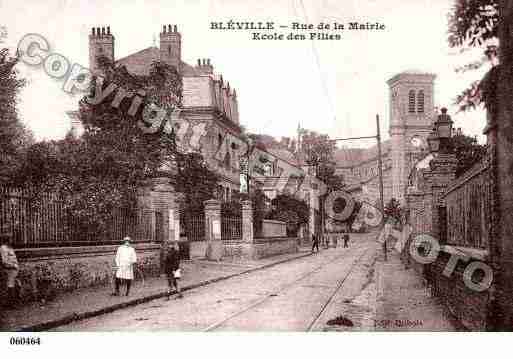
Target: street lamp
x=251, y=145
x=439, y=139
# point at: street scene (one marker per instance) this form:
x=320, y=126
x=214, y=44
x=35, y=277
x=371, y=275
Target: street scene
x=290, y=296
x=297, y=167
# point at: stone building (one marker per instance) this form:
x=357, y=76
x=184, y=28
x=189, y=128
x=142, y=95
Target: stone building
x=412, y=113
x=210, y=105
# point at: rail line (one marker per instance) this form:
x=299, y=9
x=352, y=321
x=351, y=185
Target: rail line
x=330, y=299
x=287, y=286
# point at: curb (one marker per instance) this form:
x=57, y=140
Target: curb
x=109, y=309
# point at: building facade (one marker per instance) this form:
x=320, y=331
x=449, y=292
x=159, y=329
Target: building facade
x=210, y=110
x=209, y=104
x=412, y=114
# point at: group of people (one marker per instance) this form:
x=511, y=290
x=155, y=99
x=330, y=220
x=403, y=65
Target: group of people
x=317, y=237
x=126, y=259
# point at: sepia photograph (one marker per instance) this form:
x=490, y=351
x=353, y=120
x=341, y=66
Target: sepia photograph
x=285, y=166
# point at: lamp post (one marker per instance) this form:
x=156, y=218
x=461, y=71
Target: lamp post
x=251, y=146
x=440, y=138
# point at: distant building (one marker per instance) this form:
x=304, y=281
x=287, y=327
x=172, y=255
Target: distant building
x=412, y=114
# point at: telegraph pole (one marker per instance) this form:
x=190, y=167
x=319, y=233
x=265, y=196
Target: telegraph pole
x=380, y=172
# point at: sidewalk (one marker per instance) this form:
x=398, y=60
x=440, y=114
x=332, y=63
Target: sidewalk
x=403, y=302
x=89, y=302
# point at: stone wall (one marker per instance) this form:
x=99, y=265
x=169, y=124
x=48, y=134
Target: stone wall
x=261, y=248
x=198, y=249
x=266, y=247
x=469, y=307
x=456, y=213
x=271, y=228
x=48, y=272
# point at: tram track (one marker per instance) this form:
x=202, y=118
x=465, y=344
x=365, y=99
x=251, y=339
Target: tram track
x=289, y=285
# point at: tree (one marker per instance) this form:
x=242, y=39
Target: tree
x=474, y=24
x=195, y=181
x=326, y=173
x=393, y=210
x=317, y=148
x=290, y=210
x=120, y=153
x=318, y=151
x=499, y=115
x=104, y=168
x=468, y=152
x=14, y=136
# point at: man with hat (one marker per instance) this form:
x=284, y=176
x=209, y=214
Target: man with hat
x=125, y=260
x=9, y=267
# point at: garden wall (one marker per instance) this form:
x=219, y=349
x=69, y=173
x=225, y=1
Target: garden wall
x=46, y=273
x=272, y=228
x=261, y=248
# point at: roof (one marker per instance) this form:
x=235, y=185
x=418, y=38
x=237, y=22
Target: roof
x=284, y=155
x=408, y=74
x=139, y=62
x=351, y=157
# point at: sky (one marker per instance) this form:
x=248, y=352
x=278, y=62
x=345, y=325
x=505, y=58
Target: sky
x=335, y=87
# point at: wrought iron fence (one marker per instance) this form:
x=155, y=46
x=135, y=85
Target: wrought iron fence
x=469, y=208
x=231, y=228
x=45, y=223
x=193, y=227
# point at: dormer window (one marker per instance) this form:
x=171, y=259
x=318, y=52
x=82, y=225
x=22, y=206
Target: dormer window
x=411, y=101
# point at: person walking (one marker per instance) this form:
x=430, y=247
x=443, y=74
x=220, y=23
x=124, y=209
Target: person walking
x=125, y=261
x=315, y=242
x=10, y=268
x=346, y=240
x=172, y=269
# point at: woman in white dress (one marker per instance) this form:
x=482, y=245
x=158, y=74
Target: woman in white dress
x=125, y=260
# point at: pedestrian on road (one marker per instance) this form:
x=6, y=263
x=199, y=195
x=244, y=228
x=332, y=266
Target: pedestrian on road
x=10, y=268
x=125, y=261
x=346, y=240
x=315, y=242
x=172, y=268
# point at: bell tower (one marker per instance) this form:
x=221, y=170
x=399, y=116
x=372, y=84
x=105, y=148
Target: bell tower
x=101, y=43
x=412, y=113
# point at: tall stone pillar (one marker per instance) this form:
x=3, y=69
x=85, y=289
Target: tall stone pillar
x=158, y=195
x=443, y=172
x=173, y=215
x=213, y=230
x=247, y=222
x=212, y=220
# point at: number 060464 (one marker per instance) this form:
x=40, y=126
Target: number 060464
x=25, y=341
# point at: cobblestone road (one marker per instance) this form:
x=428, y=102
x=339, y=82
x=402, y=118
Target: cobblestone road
x=300, y=295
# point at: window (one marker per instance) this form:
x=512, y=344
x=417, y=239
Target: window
x=411, y=101
x=420, y=102
x=169, y=50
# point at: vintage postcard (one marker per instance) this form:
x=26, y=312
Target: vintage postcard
x=255, y=166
